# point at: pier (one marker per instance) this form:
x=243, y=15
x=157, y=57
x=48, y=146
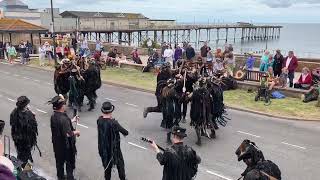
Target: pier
x=194, y=34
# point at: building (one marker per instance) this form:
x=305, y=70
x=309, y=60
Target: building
x=16, y=30
x=161, y=23
x=16, y=9
x=106, y=20
x=60, y=24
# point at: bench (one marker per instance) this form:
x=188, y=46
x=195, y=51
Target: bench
x=252, y=75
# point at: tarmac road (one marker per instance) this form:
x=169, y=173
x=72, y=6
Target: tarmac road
x=293, y=145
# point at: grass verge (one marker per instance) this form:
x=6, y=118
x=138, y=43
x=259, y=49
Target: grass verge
x=288, y=107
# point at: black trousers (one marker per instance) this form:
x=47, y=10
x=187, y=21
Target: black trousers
x=67, y=159
x=120, y=167
x=24, y=154
x=277, y=73
x=156, y=108
x=184, y=109
x=291, y=77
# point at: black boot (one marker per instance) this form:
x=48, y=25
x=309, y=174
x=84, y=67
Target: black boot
x=145, y=112
x=169, y=138
x=199, y=137
x=213, y=134
x=91, y=107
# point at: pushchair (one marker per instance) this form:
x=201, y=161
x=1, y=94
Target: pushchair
x=263, y=93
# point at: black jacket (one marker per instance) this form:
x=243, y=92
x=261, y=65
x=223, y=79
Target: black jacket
x=180, y=162
x=62, y=143
x=190, y=53
x=278, y=62
x=109, y=140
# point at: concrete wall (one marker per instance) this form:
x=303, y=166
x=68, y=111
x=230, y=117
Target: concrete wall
x=155, y=23
x=31, y=17
x=60, y=24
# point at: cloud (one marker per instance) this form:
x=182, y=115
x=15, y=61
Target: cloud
x=287, y=3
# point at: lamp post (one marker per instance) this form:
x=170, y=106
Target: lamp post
x=53, y=35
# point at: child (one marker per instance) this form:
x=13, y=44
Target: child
x=312, y=94
x=283, y=79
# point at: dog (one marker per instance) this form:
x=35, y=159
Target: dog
x=283, y=78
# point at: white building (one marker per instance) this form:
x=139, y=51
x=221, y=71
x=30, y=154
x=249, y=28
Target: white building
x=16, y=9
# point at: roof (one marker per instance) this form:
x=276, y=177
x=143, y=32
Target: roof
x=18, y=25
x=86, y=14
x=161, y=20
x=6, y=3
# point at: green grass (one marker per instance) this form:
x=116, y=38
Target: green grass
x=291, y=107
x=130, y=77
x=288, y=107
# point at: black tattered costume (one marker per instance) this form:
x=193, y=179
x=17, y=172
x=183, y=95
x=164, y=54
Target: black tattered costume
x=109, y=143
x=63, y=140
x=181, y=161
x=24, y=129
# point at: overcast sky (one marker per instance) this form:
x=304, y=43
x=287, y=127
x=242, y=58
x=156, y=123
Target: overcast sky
x=292, y=11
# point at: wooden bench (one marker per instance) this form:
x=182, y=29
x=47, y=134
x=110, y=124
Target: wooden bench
x=253, y=76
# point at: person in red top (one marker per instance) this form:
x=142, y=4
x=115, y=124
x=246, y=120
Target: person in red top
x=291, y=63
x=305, y=80
x=66, y=51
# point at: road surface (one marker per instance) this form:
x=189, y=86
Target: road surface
x=293, y=145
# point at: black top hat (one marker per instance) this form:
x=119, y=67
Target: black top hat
x=2, y=124
x=179, y=131
x=57, y=102
x=107, y=108
x=22, y=102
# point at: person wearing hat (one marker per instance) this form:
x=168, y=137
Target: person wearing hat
x=109, y=141
x=181, y=161
x=93, y=83
x=24, y=129
x=74, y=92
x=162, y=78
x=63, y=138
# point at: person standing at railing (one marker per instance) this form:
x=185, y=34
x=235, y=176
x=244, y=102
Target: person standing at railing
x=190, y=53
x=291, y=63
x=177, y=55
x=277, y=65
x=264, y=61
x=250, y=62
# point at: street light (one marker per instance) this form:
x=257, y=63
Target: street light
x=53, y=35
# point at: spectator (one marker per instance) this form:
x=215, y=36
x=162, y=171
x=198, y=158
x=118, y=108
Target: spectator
x=190, y=53
x=277, y=65
x=291, y=63
x=177, y=55
x=42, y=55
x=204, y=51
x=230, y=63
x=12, y=53
x=210, y=58
x=271, y=79
x=270, y=63
x=135, y=56
x=149, y=45
x=98, y=46
x=6, y=166
x=163, y=48
x=218, y=53
x=29, y=47
x=74, y=43
x=59, y=51
x=250, y=62
x=7, y=45
x=49, y=53
x=66, y=51
x=22, y=51
x=168, y=56
x=112, y=55
x=305, y=80
x=264, y=61
x=312, y=94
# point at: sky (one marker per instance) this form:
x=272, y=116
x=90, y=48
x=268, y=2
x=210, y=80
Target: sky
x=204, y=11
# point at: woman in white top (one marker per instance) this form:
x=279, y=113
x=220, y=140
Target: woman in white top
x=168, y=55
x=42, y=55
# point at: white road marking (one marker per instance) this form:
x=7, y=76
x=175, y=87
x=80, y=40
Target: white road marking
x=109, y=99
x=296, y=146
x=5, y=72
x=136, y=145
x=36, y=80
x=26, y=78
x=129, y=104
x=218, y=175
x=83, y=125
x=248, y=134
x=11, y=100
x=50, y=84
x=16, y=75
x=4, y=63
x=41, y=111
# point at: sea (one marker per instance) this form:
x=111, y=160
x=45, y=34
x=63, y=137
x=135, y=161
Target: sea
x=303, y=39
